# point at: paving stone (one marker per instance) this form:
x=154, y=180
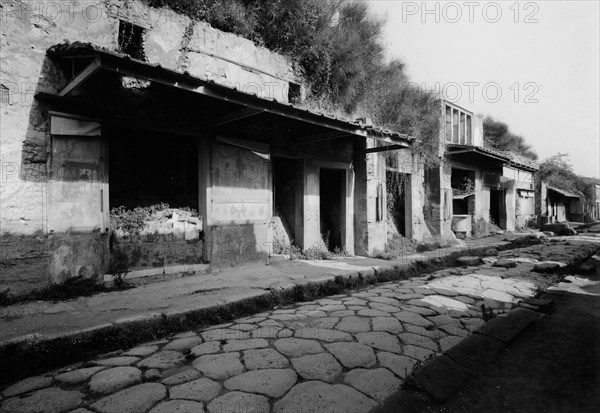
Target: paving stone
x=286, y=332
x=134, y=399
x=342, y=313
x=454, y=330
x=414, y=319
x=181, y=377
x=162, y=360
x=81, y=410
x=184, y=343
x=329, y=308
x=389, y=324
x=142, y=351
x=317, y=396
x=270, y=382
x=266, y=332
x=445, y=302
x=504, y=263
x=322, y=334
x=77, y=376
x=498, y=296
x=152, y=374
x=377, y=383
x=111, y=380
x=178, y=406
x=434, y=333
x=384, y=307
x=464, y=299
x=418, y=340
x=372, y=313
x=264, y=359
x=384, y=300
x=235, y=401
x=49, y=400
x=400, y=365
x=117, y=361
x=354, y=324
x=446, y=343
x=321, y=366
x=219, y=366
x=325, y=322
x=417, y=353
x=209, y=347
x=31, y=383
x=441, y=377
x=283, y=317
x=354, y=301
x=419, y=310
x=225, y=334
x=409, y=296
x=546, y=267
x=314, y=313
x=200, y=390
x=295, y=347
x=418, y=303
x=352, y=355
x=380, y=340
x=238, y=345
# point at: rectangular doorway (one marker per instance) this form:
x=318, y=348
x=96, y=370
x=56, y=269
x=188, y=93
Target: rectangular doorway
x=397, y=188
x=287, y=201
x=498, y=207
x=332, y=191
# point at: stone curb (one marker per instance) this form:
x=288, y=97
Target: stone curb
x=17, y=352
x=444, y=375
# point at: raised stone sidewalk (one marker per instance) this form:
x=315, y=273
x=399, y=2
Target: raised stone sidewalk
x=344, y=353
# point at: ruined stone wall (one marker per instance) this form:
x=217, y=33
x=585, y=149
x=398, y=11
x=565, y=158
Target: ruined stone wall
x=28, y=29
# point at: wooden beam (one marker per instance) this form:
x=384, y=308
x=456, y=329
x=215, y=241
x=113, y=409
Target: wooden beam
x=385, y=148
x=235, y=116
x=84, y=75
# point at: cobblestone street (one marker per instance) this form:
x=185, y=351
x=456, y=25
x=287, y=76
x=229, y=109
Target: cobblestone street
x=343, y=353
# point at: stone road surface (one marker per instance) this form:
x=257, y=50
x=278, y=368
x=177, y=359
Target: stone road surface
x=344, y=353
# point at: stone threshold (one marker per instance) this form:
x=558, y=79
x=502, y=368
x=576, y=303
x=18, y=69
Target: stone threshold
x=140, y=277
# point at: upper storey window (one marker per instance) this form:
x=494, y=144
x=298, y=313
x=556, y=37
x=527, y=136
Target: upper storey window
x=458, y=126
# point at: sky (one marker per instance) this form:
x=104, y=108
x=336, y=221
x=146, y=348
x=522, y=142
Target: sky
x=532, y=65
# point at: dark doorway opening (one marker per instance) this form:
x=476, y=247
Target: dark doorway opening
x=148, y=168
x=287, y=199
x=331, y=208
x=396, y=188
x=462, y=182
x=497, y=207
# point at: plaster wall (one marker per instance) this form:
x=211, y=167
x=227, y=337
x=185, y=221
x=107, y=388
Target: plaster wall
x=28, y=201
